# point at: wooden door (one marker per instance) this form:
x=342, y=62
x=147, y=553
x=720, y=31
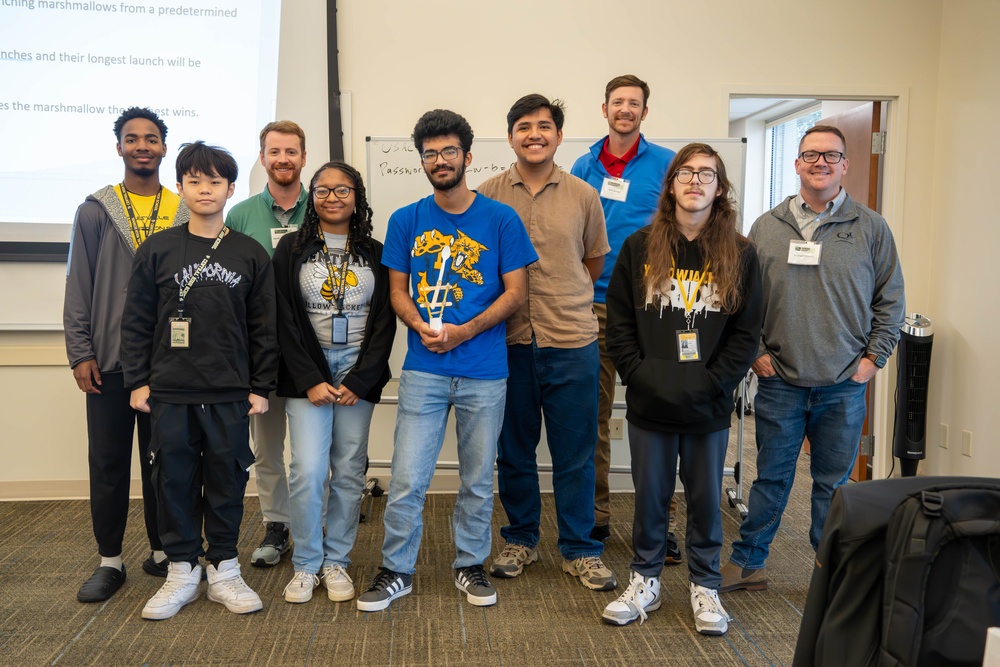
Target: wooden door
x=861, y=182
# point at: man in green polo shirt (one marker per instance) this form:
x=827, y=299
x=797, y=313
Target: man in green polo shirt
x=276, y=211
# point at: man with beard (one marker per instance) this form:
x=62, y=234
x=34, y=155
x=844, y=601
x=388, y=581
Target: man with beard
x=628, y=173
x=551, y=350
x=833, y=308
x=267, y=217
x=464, y=256
x=109, y=226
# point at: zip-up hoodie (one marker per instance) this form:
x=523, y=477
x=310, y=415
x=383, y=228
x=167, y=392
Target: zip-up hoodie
x=662, y=393
x=100, y=263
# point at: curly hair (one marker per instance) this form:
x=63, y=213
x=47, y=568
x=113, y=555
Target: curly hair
x=139, y=112
x=359, y=232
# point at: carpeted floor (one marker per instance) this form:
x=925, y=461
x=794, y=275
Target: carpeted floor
x=544, y=617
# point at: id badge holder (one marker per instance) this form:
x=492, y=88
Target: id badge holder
x=804, y=253
x=278, y=232
x=688, y=346
x=180, y=333
x=339, y=329
x=615, y=189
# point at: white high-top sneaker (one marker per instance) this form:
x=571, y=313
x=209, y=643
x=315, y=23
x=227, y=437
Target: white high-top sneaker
x=709, y=616
x=226, y=586
x=641, y=596
x=180, y=588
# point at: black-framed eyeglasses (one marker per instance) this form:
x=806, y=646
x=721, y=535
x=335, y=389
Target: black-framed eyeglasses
x=341, y=192
x=705, y=176
x=449, y=153
x=831, y=157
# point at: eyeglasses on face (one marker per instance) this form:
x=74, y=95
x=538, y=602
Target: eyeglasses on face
x=705, y=176
x=449, y=153
x=341, y=192
x=831, y=157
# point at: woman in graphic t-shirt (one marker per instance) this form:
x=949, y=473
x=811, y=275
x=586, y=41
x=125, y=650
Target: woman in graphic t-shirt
x=335, y=331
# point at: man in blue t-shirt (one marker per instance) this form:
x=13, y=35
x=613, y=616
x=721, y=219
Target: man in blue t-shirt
x=628, y=173
x=464, y=257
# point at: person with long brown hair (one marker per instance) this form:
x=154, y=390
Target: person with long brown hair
x=684, y=317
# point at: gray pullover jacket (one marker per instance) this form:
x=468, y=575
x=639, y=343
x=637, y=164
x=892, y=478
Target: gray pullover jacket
x=97, y=275
x=819, y=321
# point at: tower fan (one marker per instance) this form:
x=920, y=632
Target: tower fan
x=913, y=369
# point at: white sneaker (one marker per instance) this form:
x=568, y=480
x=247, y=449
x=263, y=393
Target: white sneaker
x=300, y=588
x=226, y=586
x=641, y=596
x=339, y=585
x=709, y=616
x=180, y=588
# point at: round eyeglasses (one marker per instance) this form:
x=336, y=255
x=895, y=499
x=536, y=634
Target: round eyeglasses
x=341, y=192
x=831, y=157
x=705, y=176
x=449, y=153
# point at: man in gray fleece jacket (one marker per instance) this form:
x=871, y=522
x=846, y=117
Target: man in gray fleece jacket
x=109, y=226
x=833, y=309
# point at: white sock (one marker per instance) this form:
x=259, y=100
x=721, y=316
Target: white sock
x=113, y=561
x=159, y=556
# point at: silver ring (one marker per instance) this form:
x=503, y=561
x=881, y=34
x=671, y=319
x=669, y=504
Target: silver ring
x=338, y=399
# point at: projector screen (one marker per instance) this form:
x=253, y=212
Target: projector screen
x=68, y=69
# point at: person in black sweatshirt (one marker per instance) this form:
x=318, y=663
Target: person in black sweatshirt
x=684, y=318
x=199, y=351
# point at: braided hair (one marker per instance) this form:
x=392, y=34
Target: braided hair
x=359, y=233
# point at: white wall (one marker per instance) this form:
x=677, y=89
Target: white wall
x=400, y=59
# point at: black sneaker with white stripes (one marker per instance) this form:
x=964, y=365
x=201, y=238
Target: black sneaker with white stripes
x=386, y=587
x=477, y=587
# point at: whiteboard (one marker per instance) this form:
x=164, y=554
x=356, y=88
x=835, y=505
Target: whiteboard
x=396, y=179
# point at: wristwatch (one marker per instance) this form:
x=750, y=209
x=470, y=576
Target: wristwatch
x=876, y=359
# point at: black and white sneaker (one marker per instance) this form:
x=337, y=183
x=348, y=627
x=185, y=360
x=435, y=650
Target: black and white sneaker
x=386, y=587
x=277, y=541
x=476, y=585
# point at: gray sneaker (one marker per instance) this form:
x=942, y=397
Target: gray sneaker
x=512, y=560
x=477, y=587
x=592, y=573
x=709, y=616
x=641, y=597
x=386, y=587
x=276, y=542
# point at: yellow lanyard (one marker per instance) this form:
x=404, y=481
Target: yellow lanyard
x=689, y=302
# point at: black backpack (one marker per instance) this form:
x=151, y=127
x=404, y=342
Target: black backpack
x=942, y=576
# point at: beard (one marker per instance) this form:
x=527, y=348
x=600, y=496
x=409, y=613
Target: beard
x=145, y=172
x=449, y=183
x=284, y=177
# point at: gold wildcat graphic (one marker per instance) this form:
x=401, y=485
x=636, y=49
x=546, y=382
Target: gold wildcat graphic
x=454, y=258
x=332, y=285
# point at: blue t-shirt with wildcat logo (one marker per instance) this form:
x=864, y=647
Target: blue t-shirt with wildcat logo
x=456, y=264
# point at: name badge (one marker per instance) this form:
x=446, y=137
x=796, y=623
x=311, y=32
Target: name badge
x=278, y=232
x=688, y=348
x=339, y=330
x=804, y=253
x=614, y=188
x=180, y=332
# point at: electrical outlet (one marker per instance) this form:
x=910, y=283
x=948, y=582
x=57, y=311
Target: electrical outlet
x=617, y=429
x=967, y=443
x=943, y=443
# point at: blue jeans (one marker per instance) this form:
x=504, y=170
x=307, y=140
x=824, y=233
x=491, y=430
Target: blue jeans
x=832, y=418
x=561, y=385
x=424, y=402
x=329, y=441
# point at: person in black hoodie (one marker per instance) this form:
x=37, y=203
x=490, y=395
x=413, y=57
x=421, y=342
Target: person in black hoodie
x=200, y=353
x=335, y=330
x=684, y=319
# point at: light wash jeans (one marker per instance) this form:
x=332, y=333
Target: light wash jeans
x=424, y=402
x=330, y=441
x=832, y=417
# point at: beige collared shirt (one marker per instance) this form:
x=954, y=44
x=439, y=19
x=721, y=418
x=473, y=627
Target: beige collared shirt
x=565, y=222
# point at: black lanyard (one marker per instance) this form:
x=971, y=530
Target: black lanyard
x=342, y=288
x=197, y=272
x=139, y=232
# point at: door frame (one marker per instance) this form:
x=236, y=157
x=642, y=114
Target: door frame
x=893, y=197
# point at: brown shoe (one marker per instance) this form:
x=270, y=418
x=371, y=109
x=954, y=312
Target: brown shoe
x=735, y=577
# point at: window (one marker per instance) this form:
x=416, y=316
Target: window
x=781, y=148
